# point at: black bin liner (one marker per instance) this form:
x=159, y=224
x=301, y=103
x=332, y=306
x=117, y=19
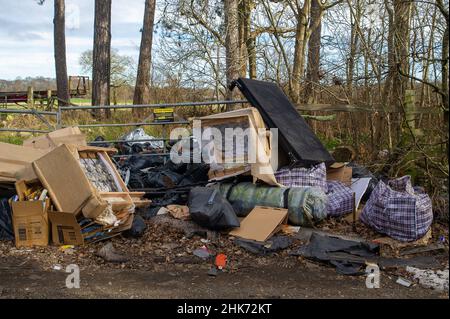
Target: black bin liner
x=6, y=228
x=162, y=179
x=137, y=228
x=210, y=209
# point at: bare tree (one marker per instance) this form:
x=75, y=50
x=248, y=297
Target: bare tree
x=141, y=92
x=444, y=66
x=249, y=37
x=101, y=71
x=59, y=40
x=62, y=81
x=313, y=68
x=402, y=30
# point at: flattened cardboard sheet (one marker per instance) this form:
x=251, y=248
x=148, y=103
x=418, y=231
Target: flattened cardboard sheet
x=261, y=224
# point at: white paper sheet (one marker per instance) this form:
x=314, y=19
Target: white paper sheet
x=359, y=187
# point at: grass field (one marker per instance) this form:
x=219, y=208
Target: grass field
x=87, y=101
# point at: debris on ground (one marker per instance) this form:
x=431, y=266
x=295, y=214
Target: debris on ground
x=109, y=254
x=215, y=215
x=138, y=136
x=202, y=252
x=273, y=245
x=346, y=255
x=437, y=280
x=404, y=282
x=179, y=212
x=137, y=228
x=213, y=271
x=221, y=261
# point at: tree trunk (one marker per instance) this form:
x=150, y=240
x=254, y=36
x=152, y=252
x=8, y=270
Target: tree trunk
x=101, y=70
x=231, y=45
x=59, y=38
x=250, y=39
x=445, y=81
x=352, y=54
x=142, y=89
x=387, y=89
x=402, y=17
x=243, y=34
x=313, y=68
x=251, y=49
x=299, y=51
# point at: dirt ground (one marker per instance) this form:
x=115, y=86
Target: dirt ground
x=178, y=281
x=162, y=265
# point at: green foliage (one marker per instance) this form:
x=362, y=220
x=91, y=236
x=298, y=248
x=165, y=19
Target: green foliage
x=123, y=67
x=12, y=139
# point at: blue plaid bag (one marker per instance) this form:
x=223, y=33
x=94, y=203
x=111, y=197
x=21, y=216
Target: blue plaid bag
x=399, y=210
x=314, y=176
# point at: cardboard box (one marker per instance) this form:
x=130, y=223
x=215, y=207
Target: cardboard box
x=261, y=223
x=94, y=207
x=14, y=159
x=340, y=172
x=61, y=174
x=71, y=190
x=49, y=141
x=72, y=193
x=65, y=229
x=30, y=222
x=25, y=189
x=103, y=154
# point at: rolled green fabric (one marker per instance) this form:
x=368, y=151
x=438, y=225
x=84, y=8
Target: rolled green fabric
x=306, y=205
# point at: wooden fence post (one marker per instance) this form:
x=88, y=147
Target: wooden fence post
x=49, y=99
x=30, y=97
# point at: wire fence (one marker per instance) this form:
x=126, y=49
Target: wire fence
x=59, y=122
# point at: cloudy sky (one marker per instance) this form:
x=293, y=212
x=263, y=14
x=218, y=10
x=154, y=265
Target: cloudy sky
x=26, y=34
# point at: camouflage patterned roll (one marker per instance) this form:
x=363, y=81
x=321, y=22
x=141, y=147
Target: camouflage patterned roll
x=306, y=205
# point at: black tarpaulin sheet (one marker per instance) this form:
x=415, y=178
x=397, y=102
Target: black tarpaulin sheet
x=294, y=135
x=351, y=256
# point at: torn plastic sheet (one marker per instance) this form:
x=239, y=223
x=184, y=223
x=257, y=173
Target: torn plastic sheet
x=351, y=256
x=338, y=252
x=139, y=134
x=168, y=176
x=275, y=244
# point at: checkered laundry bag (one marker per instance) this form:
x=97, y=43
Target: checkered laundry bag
x=399, y=210
x=314, y=176
x=340, y=199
